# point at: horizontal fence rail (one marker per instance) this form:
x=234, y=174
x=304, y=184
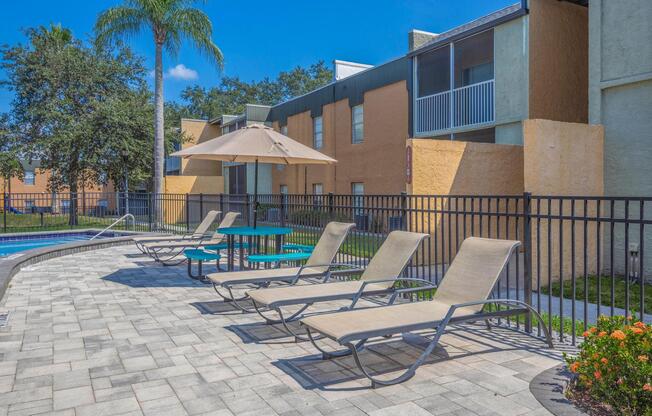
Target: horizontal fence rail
x=581, y=257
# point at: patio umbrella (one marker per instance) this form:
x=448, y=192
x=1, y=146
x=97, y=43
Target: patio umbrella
x=253, y=144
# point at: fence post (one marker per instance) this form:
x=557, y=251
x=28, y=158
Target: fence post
x=404, y=207
x=247, y=210
x=201, y=206
x=5, y=200
x=527, y=247
x=331, y=206
x=222, y=203
x=187, y=213
x=282, y=213
x=149, y=211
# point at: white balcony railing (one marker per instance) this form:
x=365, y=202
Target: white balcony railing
x=462, y=107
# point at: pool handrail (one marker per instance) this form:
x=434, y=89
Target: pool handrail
x=133, y=221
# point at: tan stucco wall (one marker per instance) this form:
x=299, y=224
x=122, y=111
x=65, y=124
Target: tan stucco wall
x=378, y=162
x=198, y=131
x=194, y=184
x=563, y=159
x=558, y=53
x=444, y=167
x=189, y=185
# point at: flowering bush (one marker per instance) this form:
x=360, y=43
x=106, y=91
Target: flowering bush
x=614, y=365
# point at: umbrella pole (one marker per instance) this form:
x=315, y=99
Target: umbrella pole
x=255, y=193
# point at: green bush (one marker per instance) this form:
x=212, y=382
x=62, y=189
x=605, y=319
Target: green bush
x=614, y=365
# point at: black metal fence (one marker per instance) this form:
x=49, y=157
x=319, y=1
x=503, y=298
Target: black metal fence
x=580, y=256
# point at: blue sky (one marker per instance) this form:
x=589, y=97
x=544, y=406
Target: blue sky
x=261, y=38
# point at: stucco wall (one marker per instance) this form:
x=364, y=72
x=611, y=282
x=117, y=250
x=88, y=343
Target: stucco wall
x=563, y=159
x=198, y=131
x=378, y=162
x=620, y=98
x=511, y=75
x=558, y=68
x=442, y=167
x=189, y=185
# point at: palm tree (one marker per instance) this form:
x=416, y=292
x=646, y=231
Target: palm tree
x=170, y=21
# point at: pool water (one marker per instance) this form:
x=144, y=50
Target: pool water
x=15, y=244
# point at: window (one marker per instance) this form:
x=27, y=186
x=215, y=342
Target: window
x=357, y=190
x=317, y=133
x=284, y=130
x=29, y=178
x=28, y=205
x=317, y=191
x=284, y=189
x=65, y=206
x=357, y=124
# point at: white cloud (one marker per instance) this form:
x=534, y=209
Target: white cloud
x=182, y=72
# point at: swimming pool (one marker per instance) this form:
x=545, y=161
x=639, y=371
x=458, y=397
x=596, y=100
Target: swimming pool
x=17, y=243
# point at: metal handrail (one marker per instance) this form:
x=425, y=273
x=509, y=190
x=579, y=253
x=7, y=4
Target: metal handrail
x=133, y=219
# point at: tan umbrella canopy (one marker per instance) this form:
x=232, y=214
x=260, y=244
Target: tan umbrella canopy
x=253, y=144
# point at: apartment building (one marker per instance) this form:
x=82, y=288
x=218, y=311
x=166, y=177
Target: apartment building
x=459, y=113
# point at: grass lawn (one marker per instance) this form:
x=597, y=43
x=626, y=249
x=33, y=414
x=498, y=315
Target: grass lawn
x=605, y=292
x=357, y=245
x=17, y=223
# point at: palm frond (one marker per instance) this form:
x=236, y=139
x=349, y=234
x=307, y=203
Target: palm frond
x=120, y=22
x=194, y=25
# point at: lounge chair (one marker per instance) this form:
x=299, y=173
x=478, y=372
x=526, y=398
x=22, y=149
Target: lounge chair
x=319, y=265
x=460, y=297
x=379, y=278
x=167, y=251
x=200, y=232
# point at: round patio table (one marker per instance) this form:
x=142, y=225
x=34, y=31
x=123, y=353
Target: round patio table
x=253, y=236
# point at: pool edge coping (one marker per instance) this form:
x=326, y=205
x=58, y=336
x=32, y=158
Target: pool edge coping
x=10, y=267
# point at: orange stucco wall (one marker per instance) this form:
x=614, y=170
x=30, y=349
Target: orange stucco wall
x=558, y=51
x=378, y=162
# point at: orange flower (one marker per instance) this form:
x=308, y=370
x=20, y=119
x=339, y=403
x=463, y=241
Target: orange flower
x=597, y=375
x=596, y=355
x=593, y=330
x=647, y=387
x=643, y=358
x=637, y=330
x=602, y=333
x=586, y=334
x=574, y=367
x=604, y=361
x=618, y=334
x=640, y=324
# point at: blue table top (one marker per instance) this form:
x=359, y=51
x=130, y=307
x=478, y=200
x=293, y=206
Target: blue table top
x=251, y=231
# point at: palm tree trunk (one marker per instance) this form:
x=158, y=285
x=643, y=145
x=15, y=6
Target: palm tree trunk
x=159, y=137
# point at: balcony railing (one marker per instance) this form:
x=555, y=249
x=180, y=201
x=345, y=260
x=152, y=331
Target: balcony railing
x=462, y=107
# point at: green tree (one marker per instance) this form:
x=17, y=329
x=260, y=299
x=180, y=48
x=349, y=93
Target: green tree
x=76, y=107
x=10, y=165
x=170, y=21
x=231, y=95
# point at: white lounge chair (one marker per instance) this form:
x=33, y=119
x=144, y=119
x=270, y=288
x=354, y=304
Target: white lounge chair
x=379, y=278
x=461, y=297
x=200, y=232
x=319, y=265
x=167, y=251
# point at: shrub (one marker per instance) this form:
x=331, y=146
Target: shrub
x=614, y=365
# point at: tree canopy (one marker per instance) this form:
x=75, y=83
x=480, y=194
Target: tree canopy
x=77, y=108
x=231, y=95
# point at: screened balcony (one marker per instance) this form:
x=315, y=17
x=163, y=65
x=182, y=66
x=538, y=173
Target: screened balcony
x=454, y=86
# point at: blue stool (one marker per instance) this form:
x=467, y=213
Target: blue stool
x=278, y=258
x=200, y=256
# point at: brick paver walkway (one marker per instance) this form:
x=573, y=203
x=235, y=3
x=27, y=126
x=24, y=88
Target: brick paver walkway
x=110, y=333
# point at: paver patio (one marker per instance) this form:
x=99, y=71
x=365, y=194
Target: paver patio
x=109, y=332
